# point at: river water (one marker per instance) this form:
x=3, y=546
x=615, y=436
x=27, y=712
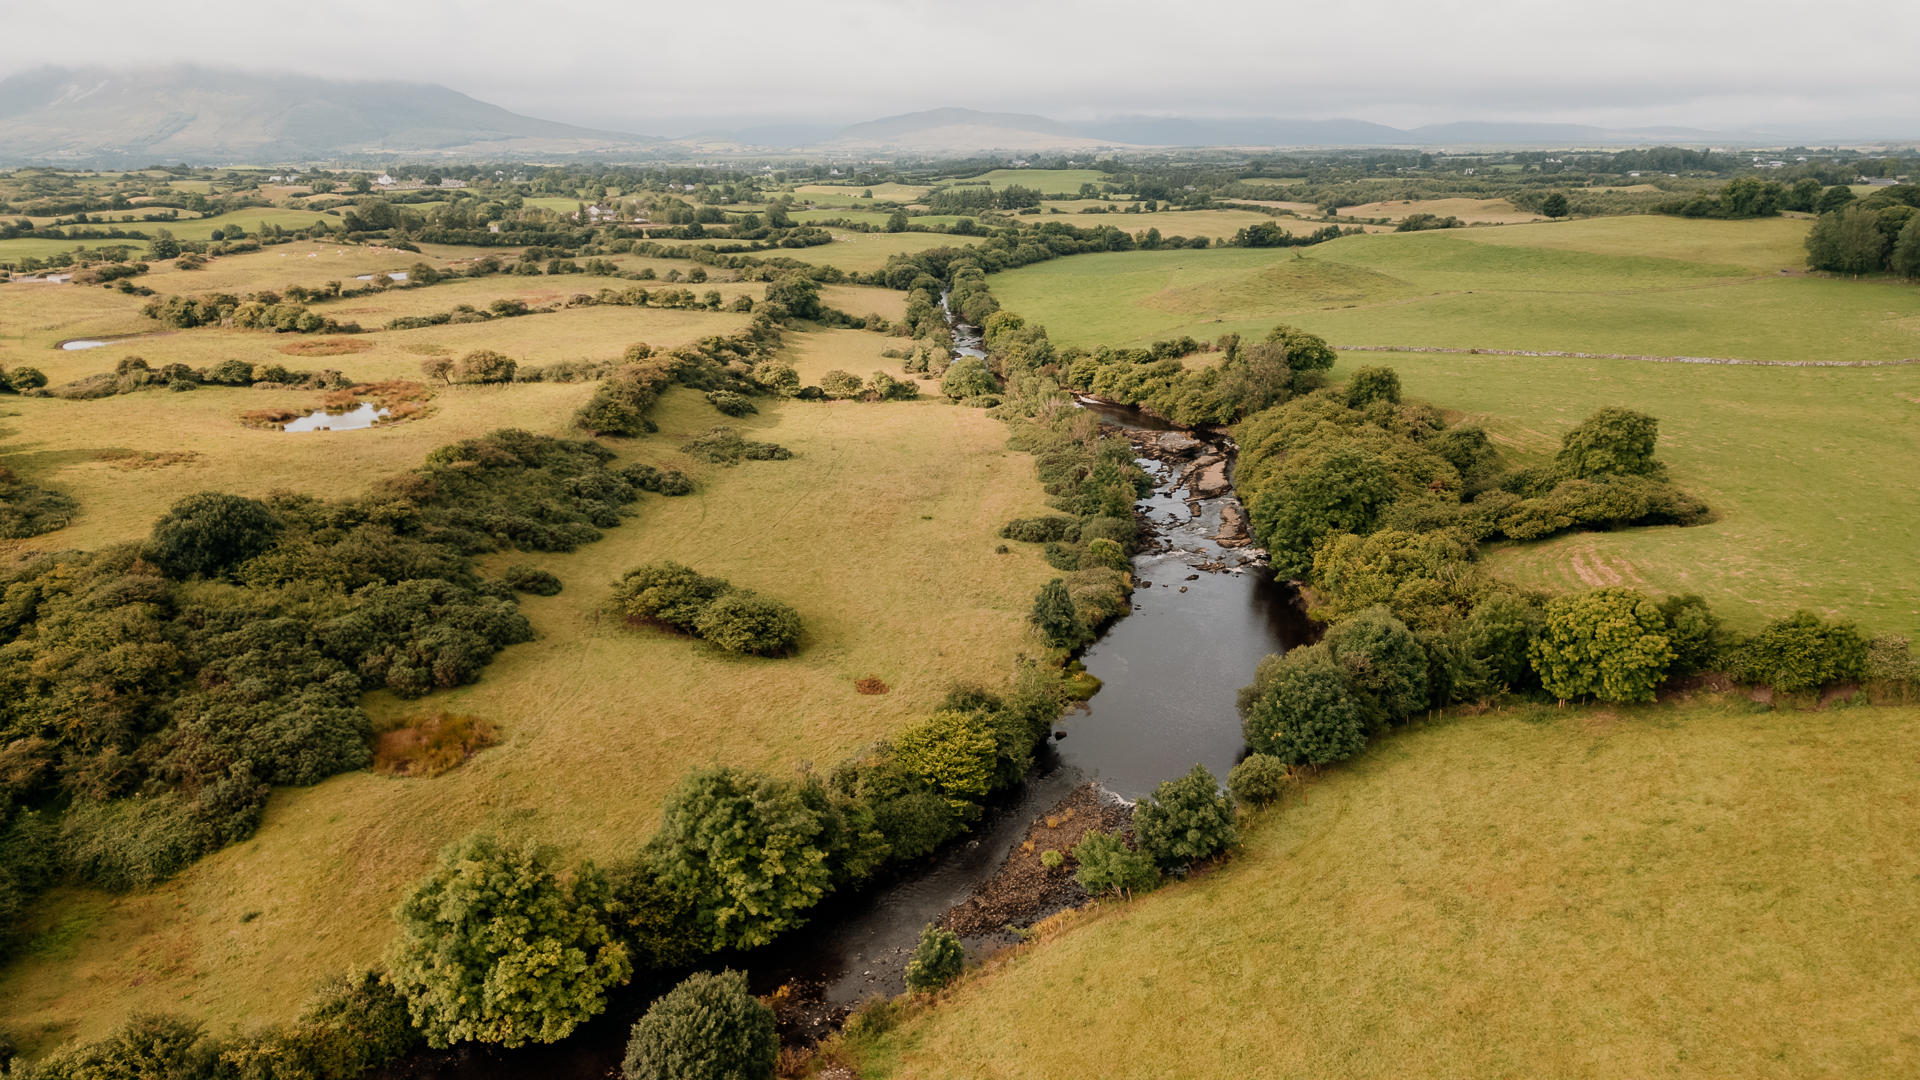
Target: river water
x=1169, y=670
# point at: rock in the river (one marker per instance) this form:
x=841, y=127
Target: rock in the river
x=1211, y=482
x=1179, y=444
x=1233, y=527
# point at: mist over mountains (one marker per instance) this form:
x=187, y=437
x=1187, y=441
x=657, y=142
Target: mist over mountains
x=104, y=117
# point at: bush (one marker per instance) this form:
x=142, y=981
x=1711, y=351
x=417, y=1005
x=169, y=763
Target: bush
x=667, y=592
x=210, y=532
x=1259, y=780
x=1185, y=820
x=1801, y=652
x=25, y=378
x=968, y=377
x=1371, y=384
x=954, y=753
x=1041, y=530
x=936, y=961
x=494, y=949
x=730, y=403
x=710, y=1027
x=647, y=478
x=1610, y=644
x=745, y=622
x=1107, y=865
x=724, y=446
x=606, y=413
x=747, y=850
x=841, y=385
x=1611, y=442
x=147, y=1045
x=1306, y=715
x=27, y=510
x=1055, y=618
x=484, y=366
x=528, y=579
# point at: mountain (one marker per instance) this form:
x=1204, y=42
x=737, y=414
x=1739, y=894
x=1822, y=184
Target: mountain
x=1175, y=131
x=102, y=117
x=961, y=131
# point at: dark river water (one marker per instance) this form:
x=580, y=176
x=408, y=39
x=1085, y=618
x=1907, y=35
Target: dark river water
x=1169, y=670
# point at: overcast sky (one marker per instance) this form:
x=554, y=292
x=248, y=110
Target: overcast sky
x=667, y=69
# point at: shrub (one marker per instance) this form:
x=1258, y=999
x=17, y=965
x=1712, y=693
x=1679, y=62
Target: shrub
x=954, y=753
x=1371, y=384
x=1052, y=860
x=1104, y=552
x=841, y=385
x=742, y=621
x=1041, y=530
x=1306, y=716
x=747, y=850
x=730, y=403
x=25, y=378
x=1610, y=644
x=1802, y=652
x=1259, y=779
x=936, y=961
x=147, y=1045
x=724, y=446
x=1055, y=617
x=210, y=532
x=1107, y=865
x=528, y=579
x=1343, y=491
x=484, y=366
x=494, y=949
x=1498, y=638
x=667, y=592
x=1611, y=442
x=1694, y=632
x=968, y=377
x=27, y=510
x=710, y=1027
x=607, y=414
x=1185, y=820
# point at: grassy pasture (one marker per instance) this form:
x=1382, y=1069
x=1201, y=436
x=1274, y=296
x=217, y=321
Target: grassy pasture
x=868, y=251
x=1212, y=223
x=1663, y=891
x=1046, y=181
x=1807, y=469
x=880, y=531
x=1607, y=285
x=849, y=194
x=1472, y=211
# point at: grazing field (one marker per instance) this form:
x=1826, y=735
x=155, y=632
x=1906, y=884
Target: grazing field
x=869, y=251
x=880, y=531
x=1209, y=223
x=1046, y=181
x=1617, y=285
x=1471, y=211
x=1808, y=470
x=850, y=194
x=1659, y=891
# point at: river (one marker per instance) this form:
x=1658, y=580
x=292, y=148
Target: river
x=1169, y=673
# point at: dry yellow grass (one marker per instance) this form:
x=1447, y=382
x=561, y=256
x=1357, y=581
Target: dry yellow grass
x=880, y=532
x=1689, y=892
x=1471, y=211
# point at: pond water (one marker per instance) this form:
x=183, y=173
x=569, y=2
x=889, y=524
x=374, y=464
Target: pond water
x=76, y=346
x=362, y=416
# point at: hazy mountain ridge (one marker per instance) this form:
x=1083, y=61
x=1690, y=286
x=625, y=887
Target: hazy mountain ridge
x=205, y=116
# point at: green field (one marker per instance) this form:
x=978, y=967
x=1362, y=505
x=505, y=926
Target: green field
x=1616, y=285
x=1046, y=181
x=1693, y=891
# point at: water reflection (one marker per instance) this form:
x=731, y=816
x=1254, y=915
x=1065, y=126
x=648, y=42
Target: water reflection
x=363, y=416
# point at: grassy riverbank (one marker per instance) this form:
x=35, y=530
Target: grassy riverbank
x=1675, y=890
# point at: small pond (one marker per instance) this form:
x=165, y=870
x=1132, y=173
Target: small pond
x=364, y=416
x=84, y=343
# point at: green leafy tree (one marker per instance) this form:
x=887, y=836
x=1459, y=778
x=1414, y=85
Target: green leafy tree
x=743, y=621
x=609, y=414
x=710, y=1027
x=1108, y=865
x=1054, y=616
x=1847, y=241
x=484, y=366
x=163, y=246
x=1385, y=667
x=800, y=294
x=493, y=948
x=842, y=385
x=1185, y=820
x=968, y=377
x=1694, y=632
x=1306, y=716
x=748, y=850
x=936, y=961
x=209, y=532
x=1342, y=491
x=1371, y=384
x=1258, y=780
x=1905, y=260
x=1612, y=442
x=897, y=221
x=1610, y=644
x=1305, y=351
x=1554, y=205
x=1802, y=652
x=25, y=378
x=954, y=753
